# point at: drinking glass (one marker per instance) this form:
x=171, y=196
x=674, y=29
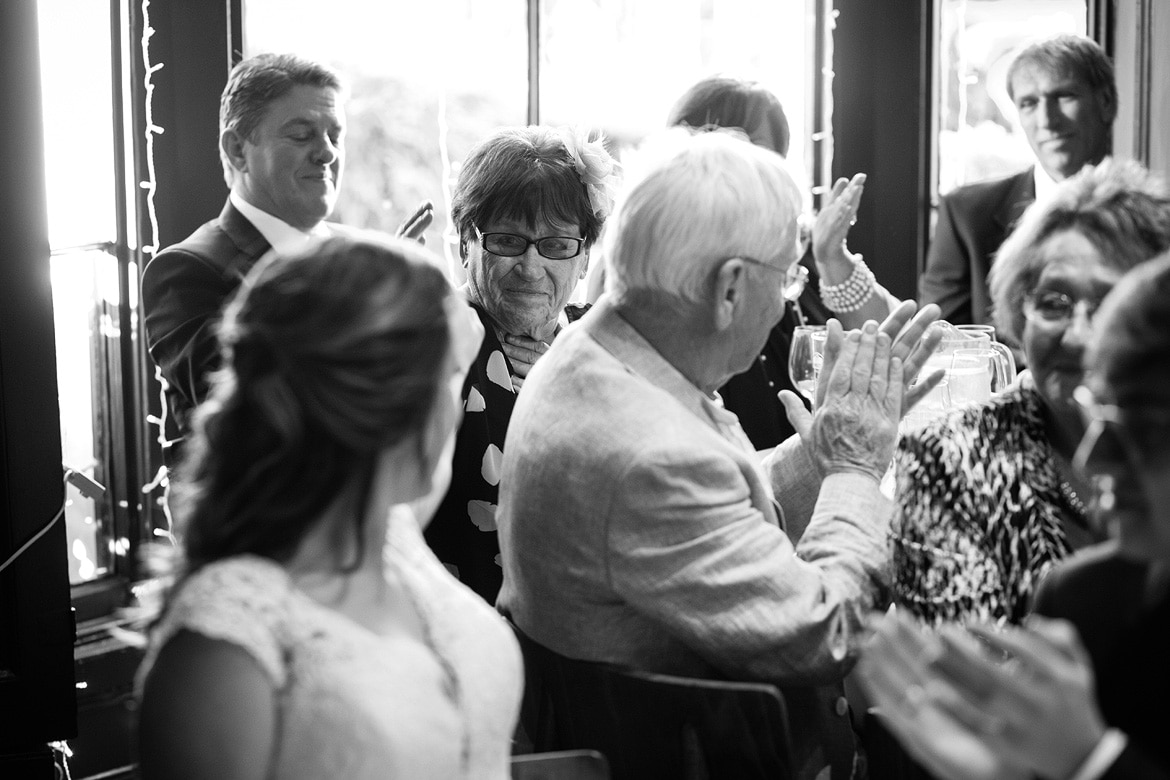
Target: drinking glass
x=984, y=372
x=804, y=358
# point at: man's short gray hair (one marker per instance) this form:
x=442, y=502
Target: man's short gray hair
x=692, y=200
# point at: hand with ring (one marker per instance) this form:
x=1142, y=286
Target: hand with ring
x=915, y=702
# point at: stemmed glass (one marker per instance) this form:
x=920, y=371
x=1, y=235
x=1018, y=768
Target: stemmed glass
x=804, y=358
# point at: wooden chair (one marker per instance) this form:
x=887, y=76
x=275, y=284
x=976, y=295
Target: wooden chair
x=561, y=765
x=653, y=725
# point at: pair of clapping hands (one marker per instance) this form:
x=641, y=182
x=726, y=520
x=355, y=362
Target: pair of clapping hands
x=867, y=383
x=983, y=702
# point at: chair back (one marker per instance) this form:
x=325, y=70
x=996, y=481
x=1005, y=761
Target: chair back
x=561, y=765
x=653, y=725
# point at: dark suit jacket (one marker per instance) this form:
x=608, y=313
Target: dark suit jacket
x=972, y=222
x=1128, y=639
x=184, y=289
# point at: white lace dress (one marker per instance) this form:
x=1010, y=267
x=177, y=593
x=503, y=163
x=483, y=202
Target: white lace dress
x=358, y=705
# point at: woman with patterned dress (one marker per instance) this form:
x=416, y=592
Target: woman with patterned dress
x=987, y=500
x=1084, y=693
x=529, y=205
x=311, y=632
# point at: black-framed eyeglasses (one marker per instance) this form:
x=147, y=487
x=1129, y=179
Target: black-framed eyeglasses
x=1107, y=428
x=795, y=276
x=1056, y=309
x=513, y=245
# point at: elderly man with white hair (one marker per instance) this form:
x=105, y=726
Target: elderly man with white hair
x=637, y=524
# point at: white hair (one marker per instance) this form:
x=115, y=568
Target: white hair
x=691, y=200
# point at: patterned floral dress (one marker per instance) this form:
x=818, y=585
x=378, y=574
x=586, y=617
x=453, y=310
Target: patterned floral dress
x=463, y=530
x=982, y=512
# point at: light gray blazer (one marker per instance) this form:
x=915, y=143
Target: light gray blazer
x=635, y=529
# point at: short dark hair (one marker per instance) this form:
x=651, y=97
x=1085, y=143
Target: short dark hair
x=722, y=101
x=257, y=81
x=1076, y=54
x=523, y=173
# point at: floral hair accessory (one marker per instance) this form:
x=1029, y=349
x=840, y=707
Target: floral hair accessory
x=598, y=170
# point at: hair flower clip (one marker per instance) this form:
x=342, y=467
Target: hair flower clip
x=598, y=170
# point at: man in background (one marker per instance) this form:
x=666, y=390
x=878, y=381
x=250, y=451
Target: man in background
x=282, y=144
x=1066, y=96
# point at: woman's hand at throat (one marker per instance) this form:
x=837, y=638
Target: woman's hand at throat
x=522, y=352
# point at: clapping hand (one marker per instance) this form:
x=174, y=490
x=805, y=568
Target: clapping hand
x=831, y=227
x=417, y=223
x=915, y=703
x=1037, y=709
x=911, y=342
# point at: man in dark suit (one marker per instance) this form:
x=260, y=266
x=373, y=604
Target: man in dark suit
x=281, y=138
x=1064, y=91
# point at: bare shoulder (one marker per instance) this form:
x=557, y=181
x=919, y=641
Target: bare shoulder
x=208, y=710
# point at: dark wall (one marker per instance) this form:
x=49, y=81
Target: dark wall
x=881, y=60
x=193, y=41
x=37, y=701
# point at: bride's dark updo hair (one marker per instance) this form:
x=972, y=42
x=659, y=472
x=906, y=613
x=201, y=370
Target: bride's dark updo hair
x=329, y=356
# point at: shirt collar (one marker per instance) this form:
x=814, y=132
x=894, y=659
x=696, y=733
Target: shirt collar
x=284, y=238
x=1045, y=184
x=623, y=341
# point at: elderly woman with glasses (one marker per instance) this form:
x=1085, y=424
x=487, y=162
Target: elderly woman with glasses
x=528, y=207
x=987, y=499
x=1085, y=693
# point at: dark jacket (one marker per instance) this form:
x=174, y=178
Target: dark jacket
x=972, y=222
x=184, y=289
x=1127, y=635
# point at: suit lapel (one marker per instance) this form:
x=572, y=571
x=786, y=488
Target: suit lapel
x=242, y=232
x=1020, y=194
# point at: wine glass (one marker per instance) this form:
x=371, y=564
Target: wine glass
x=804, y=359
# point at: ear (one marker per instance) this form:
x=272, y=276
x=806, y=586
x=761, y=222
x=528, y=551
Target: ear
x=232, y=145
x=584, y=266
x=730, y=287
x=1107, y=103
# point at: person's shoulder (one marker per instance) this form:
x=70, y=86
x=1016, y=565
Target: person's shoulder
x=220, y=242
x=989, y=191
x=243, y=599
x=1090, y=568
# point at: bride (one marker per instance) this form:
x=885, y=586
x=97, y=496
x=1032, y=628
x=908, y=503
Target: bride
x=311, y=632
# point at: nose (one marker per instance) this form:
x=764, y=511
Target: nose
x=531, y=264
x=1049, y=113
x=1080, y=327
x=325, y=151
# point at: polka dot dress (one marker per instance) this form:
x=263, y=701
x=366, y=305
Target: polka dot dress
x=463, y=531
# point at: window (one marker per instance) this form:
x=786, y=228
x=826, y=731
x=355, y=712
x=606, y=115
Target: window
x=979, y=135
x=83, y=49
x=621, y=64
x=82, y=228
x=429, y=80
